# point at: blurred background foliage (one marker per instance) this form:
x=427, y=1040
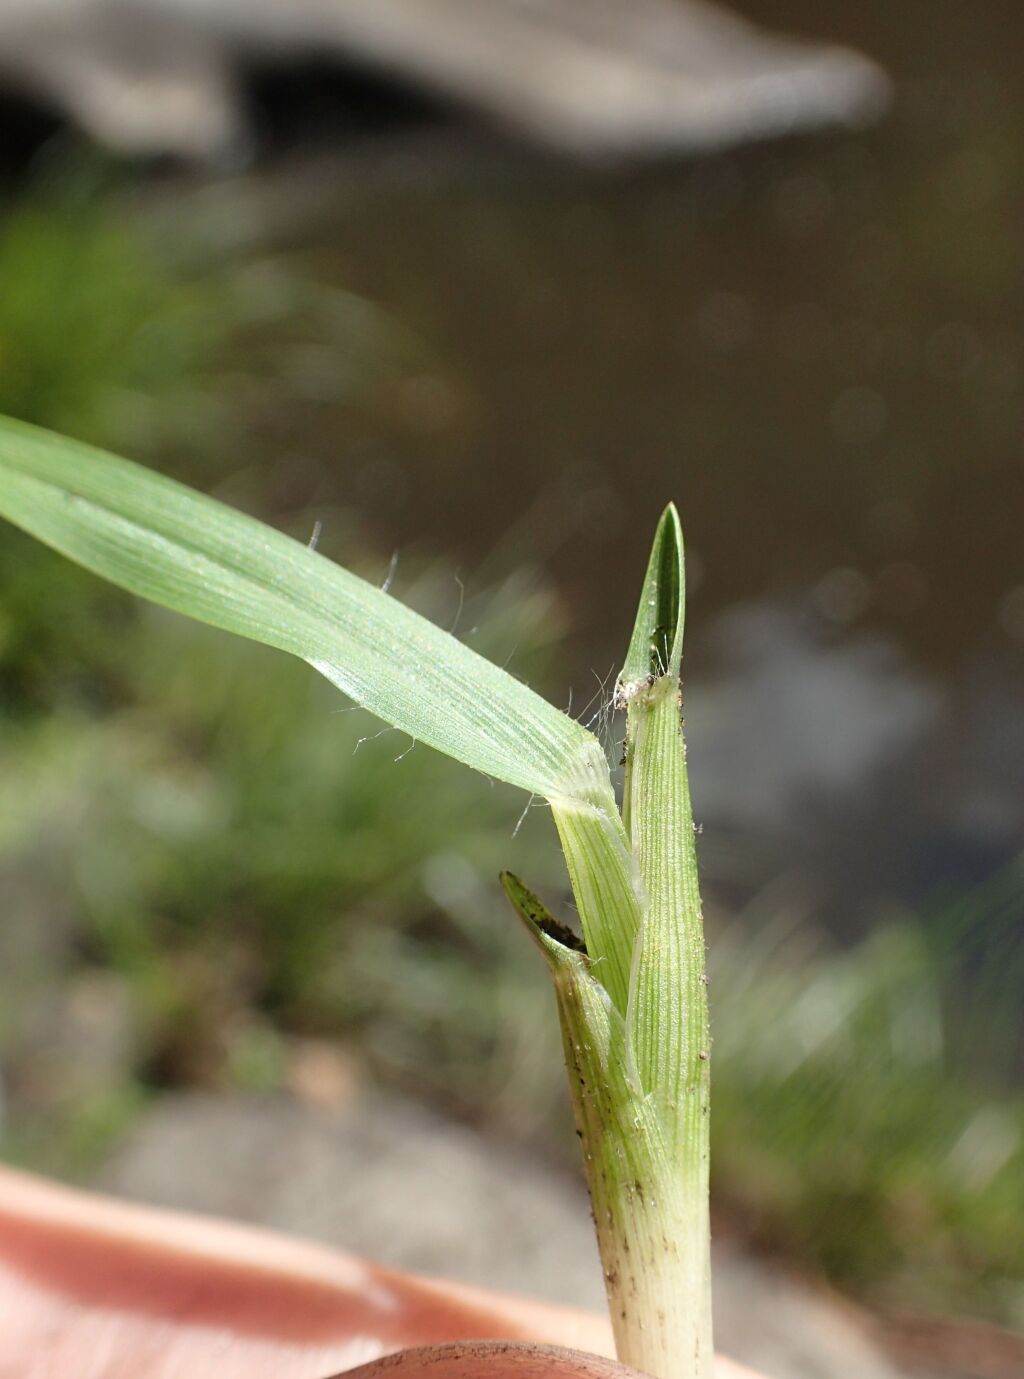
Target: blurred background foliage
x=208, y=863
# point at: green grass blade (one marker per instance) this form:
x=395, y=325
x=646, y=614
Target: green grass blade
x=164, y=542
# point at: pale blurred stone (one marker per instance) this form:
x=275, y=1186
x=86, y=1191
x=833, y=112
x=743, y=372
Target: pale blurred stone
x=599, y=77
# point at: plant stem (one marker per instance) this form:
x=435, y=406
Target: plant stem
x=633, y=1006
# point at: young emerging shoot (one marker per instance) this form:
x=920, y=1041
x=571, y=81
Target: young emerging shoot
x=631, y=996
x=639, y=1068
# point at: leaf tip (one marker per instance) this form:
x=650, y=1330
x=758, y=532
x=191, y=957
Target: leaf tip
x=556, y=941
x=656, y=646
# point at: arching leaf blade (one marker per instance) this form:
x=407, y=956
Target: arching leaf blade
x=165, y=542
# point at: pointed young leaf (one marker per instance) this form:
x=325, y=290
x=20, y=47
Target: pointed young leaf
x=656, y=646
x=161, y=540
x=667, y=1004
x=667, y=1015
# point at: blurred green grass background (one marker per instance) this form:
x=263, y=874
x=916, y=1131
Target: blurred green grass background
x=205, y=859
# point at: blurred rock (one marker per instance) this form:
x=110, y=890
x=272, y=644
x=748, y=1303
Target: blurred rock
x=598, y=77
x=396, y=1182
x=794, y=715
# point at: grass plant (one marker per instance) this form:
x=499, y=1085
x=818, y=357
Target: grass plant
x=868, y=1116
x=631, y=994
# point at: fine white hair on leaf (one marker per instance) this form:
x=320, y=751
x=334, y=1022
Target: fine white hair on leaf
x=600, y=721
x=526, y=810
x=462, y=602
x=534, y=802
x=372, y=737
x=597, y=695
x=508, y=658
x=385, y=588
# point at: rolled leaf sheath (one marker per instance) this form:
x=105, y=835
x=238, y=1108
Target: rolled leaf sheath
x=667, y=1015
x=650, y=1217
x=605, y=885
